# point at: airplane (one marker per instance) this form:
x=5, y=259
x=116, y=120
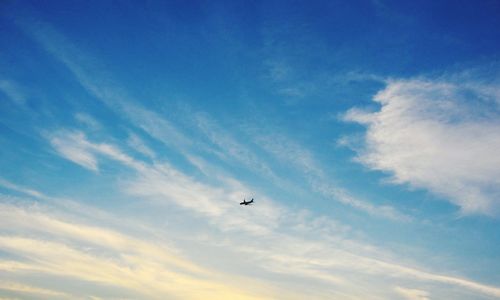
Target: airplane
x=246, y=202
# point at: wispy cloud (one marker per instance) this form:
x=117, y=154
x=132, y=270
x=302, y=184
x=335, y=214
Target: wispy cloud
x=100, y=85
x=139, y=145
x=343, y=196
x=293, y=154
x=51, y=245
x=40, y=293
x=160, y=180
x=95, y=80
x=74, y=146
x=271, y=240
x=87, y=120
x=440, y=135
x=328, y=257
x=13, y=91
x=412, y=294
x=230, y=148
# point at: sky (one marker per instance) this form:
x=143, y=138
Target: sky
x=366, y=131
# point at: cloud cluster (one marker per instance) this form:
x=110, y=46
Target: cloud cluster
x=440, y=135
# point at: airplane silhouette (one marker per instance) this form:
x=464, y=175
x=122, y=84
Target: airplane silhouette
x=246, y=202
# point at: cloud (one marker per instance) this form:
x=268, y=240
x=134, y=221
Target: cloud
x=293, y=154
x=289, y=151
x=343, y=196
x=272, y=241
x=74, y=147
x=99, y=84
x=27, y=191
x=412, y=294
x=441, y=135
x=94, y=79
x=138, y=144
x=229, y=148
x=326, y=256
x=87, y=120
x=55, y=245
x=40, y=293
x=13, y=91
x=160, y=180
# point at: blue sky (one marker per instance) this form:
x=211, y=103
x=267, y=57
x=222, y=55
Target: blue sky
x=367, y=132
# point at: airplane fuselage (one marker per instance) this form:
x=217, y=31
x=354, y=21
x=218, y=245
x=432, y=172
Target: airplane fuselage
x=246, y=202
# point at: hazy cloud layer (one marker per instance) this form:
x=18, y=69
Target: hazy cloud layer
x=311, y=247
x=63, y=245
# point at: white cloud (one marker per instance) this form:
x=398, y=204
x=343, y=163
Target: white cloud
x=412, y=294
x=74, y=146
x=440, y=135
